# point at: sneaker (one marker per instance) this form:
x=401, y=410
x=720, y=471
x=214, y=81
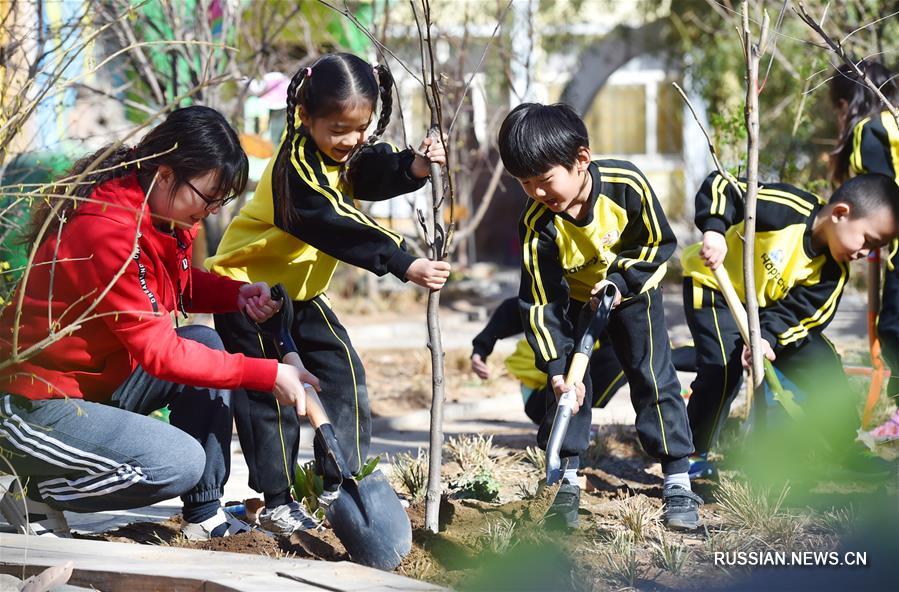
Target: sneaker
x=287, y=519
x=327, y=498
x=562, y=515
x=222, y=524
x=681, y=508
x=887, y=431
x=31, y=517
x=702, y=468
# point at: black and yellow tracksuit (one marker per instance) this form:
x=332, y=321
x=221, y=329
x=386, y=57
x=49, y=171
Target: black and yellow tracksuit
x=606, y=374
x=798, y=290
x=875, y=149
x=626, y=239
x=302, y=253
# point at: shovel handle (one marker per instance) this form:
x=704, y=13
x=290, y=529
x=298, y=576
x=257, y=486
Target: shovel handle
x=314, y=410
x=739, y=314
x=733, y=301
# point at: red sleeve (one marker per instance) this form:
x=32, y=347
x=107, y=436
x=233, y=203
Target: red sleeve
x=148, y=334
x=211, y=292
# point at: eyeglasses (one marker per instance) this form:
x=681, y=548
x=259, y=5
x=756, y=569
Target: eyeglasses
x=211, y=203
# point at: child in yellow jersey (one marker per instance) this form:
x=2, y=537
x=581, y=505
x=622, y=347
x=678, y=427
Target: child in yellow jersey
x=299, y=224
x=803, y=248
x=869, y=143
x=605, y=372
x=591, y=224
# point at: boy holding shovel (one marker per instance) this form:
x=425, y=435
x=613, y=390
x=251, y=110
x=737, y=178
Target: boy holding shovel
x=803, y=248
x=592, y=224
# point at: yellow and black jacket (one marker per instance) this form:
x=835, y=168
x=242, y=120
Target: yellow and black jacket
x=625, y=238
x=259, y=246
x=798, y=288
x=875, y=149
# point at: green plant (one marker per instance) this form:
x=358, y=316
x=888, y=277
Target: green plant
x=411, y=473
x=368, y=467
x=670, y=555
x=307, y=486
x=482, y=486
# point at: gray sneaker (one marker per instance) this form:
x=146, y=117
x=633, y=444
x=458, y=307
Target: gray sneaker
x=212, y=527
x=287, y=519
x=681, y=508
x=31, y=517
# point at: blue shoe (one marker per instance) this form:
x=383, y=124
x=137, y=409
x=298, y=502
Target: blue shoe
x=702, y=468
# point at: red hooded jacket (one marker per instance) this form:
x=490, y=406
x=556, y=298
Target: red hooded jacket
x=131, y=323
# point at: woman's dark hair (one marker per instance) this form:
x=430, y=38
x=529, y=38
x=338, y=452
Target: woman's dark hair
x=861, y=102
x=534, y=138
x=334, y=82
x=191, y=141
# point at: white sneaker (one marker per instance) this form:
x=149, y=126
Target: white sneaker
x=31, y=517
x=287, y=519
x=202, y=531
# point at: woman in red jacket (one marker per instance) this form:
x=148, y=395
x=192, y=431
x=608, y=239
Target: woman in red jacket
x=88, y=346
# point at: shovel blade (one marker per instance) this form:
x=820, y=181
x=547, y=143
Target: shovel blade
x=371, y=523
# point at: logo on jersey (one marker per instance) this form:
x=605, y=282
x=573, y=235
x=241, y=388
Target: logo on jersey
x=771, y=262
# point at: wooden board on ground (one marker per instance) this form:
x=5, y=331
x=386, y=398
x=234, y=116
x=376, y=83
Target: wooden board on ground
x=124, y=567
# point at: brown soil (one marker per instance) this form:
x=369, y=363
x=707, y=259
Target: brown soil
x=399, y=380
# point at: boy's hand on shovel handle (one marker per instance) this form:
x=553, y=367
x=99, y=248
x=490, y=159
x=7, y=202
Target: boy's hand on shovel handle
x=559, y=388
x=766, y=351
x=290, y=386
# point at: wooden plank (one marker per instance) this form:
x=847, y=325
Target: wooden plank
x=127, y=567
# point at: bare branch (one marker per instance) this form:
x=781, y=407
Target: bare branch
x=499, y=22
x=837, y=48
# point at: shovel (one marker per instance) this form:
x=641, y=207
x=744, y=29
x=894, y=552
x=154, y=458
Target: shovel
x=590, y=324
x=786, y=398
x=367, y=515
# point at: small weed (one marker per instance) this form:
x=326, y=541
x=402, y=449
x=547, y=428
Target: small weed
x=839, y=521
x=639, y=516
x=536, y=457
x=670, y=555
x=618, y=557
x=498, y=536
x=747, y=508
x=411, y=473
x=419, y=568
x=525, y=490
x=472, y=452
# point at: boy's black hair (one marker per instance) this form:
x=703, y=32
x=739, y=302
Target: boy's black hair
x=535, y=137
x=867, y=194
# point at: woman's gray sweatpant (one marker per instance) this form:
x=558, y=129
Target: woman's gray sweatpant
x=82, y=456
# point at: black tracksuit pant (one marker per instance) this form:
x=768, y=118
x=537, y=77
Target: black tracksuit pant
x=270, y=434
x=888, y=328
x=639, y=335
x=813, y=365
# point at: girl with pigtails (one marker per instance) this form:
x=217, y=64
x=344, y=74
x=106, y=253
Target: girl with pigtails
x=301, y=221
